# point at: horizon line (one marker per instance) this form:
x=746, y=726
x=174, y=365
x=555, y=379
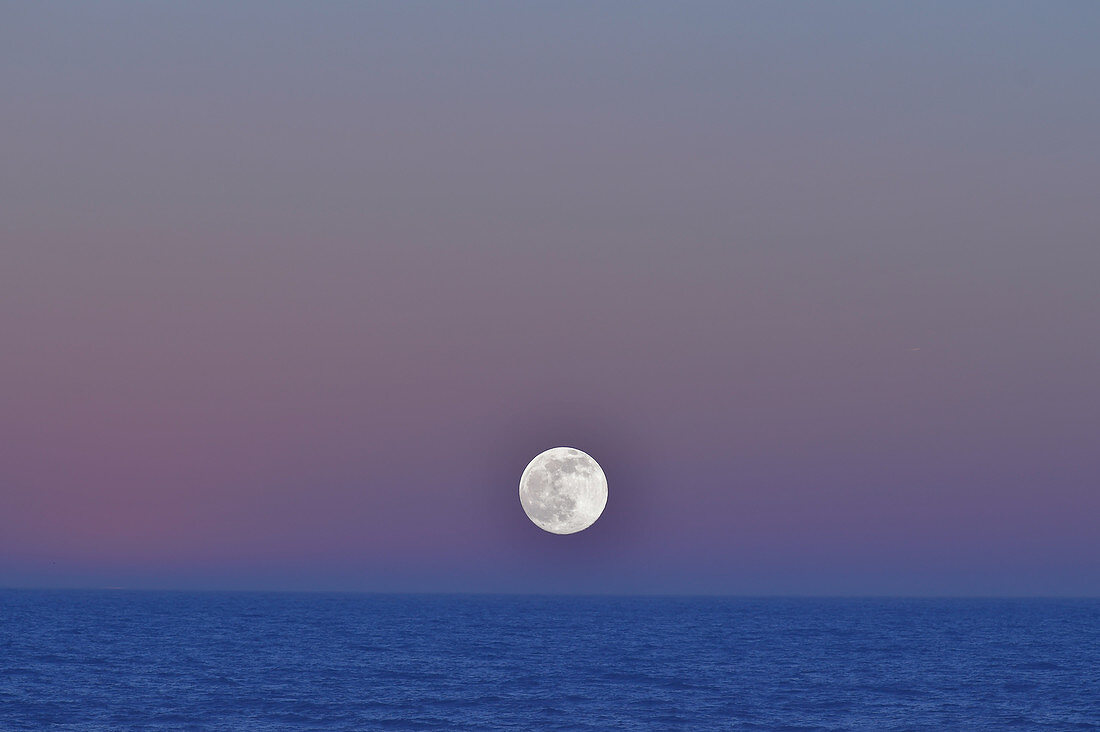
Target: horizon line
x=487, y=593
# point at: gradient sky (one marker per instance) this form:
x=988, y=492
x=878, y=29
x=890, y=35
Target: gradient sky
x=291, y=293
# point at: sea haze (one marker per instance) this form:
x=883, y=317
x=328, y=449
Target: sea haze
x=257, y=661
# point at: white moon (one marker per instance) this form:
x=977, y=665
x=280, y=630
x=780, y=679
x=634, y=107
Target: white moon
x=563, y=490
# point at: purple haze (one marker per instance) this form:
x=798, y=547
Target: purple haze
x=290, y=294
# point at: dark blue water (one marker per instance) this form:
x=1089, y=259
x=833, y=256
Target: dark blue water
x=123, y=660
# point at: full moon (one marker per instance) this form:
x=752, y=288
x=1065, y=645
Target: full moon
x=563, y=490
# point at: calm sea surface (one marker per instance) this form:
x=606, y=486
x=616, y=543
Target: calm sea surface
x=134, y=660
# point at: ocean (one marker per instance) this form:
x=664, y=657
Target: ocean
x=119, y=660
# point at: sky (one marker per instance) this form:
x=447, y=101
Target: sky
x=291, y=293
